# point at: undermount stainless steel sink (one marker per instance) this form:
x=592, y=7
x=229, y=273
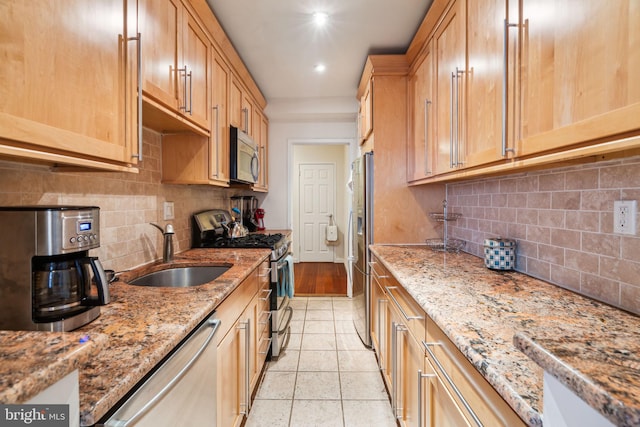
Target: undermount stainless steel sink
x=181, y=277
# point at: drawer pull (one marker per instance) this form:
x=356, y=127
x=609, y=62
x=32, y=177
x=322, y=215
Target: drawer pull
x=268, y=272
x=404, y=313
x=375, y=273
x=268, y=292
x=446, y=376
x=268, y=340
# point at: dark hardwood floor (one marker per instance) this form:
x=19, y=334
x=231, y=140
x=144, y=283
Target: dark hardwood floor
x=320, y=279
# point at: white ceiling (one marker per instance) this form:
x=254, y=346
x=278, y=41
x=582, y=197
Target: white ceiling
x=280, y=46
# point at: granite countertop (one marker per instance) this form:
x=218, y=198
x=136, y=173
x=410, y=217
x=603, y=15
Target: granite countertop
x=511, y=326
x=34, y=360
x=133, y=333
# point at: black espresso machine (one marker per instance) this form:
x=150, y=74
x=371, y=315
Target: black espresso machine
x=212, y=229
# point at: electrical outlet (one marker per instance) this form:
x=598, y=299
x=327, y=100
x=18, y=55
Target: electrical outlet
x=624, y=216
x=168, y=211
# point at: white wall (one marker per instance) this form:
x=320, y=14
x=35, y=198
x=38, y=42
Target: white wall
x=276, y=202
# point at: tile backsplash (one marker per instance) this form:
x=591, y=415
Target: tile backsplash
x=562, y=220
x=128, y=203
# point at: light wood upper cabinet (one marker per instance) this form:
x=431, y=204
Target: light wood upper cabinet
x=219, y=145
x=159, y=23
x=419, y=160
x=579, y=72
x=196, y=62
x=366, y=112
x=175, y=58
x=240, y=107
x=261, y=137
x=66, y=83
x=527, y=84
x=449, y=49
x=485, y=116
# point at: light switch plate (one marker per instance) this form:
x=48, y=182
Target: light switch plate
x=168, y=211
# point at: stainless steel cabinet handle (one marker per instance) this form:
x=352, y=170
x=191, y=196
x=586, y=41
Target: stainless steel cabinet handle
x=421, y=376
x=427, y=170
x=246, y=325
x=427, y=346
x=216, y=137
x=505, y=82
x=268, y=272
x=395, y=366
x=395, y=301
x=214, y=324
x=459, y=74
x=183, y=72
x=380, y=302
x=451, y=126
x=190, y=111
x=245, y=111
x=267, y=347
x=138, y=38
x=268, y=292
x=375, y=273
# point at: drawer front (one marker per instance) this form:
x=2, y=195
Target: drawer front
x=475, y=396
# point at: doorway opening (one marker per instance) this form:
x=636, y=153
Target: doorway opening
x=320, y=170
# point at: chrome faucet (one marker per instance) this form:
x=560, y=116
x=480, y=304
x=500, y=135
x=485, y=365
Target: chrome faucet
x=167, y=249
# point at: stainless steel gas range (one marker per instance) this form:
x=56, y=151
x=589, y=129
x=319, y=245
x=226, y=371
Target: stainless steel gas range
x=211, y=229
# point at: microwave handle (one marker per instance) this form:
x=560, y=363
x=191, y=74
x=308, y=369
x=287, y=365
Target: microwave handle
x=255, y=166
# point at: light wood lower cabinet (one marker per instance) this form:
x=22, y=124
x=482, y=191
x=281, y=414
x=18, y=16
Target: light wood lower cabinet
x=429, y=380
x=241, y=351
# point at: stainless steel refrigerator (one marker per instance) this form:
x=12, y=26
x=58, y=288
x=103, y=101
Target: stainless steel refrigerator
x=362, y=228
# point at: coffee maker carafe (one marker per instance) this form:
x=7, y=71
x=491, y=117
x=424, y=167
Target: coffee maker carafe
x=48, y=281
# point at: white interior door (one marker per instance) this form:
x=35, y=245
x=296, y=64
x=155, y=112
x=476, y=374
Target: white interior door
x=317, y=202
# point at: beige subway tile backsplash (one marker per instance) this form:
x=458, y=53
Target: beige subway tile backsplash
x=128, y=203
x=562, y=220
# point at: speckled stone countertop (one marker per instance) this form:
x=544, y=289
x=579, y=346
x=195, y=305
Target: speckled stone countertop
x=511, y=326
x=145, y=323
x=134, y=332
x=33, y=361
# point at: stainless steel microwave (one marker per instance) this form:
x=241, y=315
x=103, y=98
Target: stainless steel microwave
x=244, y=160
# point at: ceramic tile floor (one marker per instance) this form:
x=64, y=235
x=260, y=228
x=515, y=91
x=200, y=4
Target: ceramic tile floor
x=326, y=377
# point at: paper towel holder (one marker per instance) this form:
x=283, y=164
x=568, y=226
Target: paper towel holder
x=331, y=231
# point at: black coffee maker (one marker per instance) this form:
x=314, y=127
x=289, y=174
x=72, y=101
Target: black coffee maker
x=48, y=281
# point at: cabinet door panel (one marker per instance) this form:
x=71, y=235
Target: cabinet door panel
x=63, y=79
x=236, y=118
x=195, y=58
x=484, y=81
x=219, y=150
x=449, y=46
x=440, y=407
x=158, y=22
x=579, y=71
x=230, y=375
x=419, y=159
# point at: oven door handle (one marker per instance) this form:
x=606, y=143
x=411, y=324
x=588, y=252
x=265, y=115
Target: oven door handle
x=289, y=309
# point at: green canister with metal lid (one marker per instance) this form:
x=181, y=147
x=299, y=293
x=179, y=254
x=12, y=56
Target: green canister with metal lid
x=499, y=253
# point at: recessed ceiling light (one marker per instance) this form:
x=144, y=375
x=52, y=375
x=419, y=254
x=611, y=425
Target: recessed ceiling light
x=320, y=68
x=320, y=18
